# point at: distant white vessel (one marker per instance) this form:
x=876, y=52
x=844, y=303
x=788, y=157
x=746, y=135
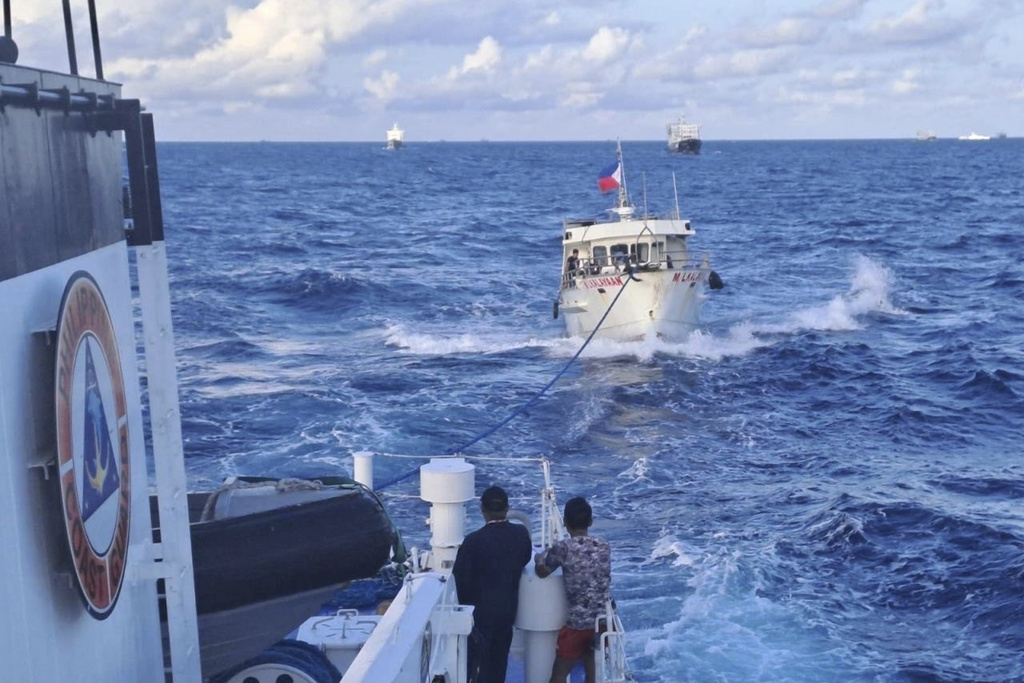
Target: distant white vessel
x=974, y=136
x=683, y=137
x=925, y=136
x=396, y=136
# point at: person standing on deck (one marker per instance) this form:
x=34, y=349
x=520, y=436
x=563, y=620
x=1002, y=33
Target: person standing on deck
x=586, y=563
x=572, y=263
x=487, y=570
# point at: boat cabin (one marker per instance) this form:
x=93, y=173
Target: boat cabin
x=645, y=242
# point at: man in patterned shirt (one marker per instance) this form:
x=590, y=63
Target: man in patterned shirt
x=586, y=563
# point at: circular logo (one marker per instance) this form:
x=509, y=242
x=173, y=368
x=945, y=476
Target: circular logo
x=93, y=453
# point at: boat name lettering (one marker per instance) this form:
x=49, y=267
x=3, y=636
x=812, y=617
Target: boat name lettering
x=688, y=276
x=593, y=282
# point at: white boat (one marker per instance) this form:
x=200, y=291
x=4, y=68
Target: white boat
x=93, y=593
x=396, y=137
x=925, y=136
x=641, y=262
x=683, y=137
x=974, y=136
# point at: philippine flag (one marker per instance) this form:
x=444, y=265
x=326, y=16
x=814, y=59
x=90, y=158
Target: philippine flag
x=610, y=178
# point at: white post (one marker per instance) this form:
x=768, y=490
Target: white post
x=362, y=468
x=168, y=461
x=447, y=484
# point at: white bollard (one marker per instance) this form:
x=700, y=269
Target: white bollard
x=542, y=612
x=447, y=484
x=362, y=468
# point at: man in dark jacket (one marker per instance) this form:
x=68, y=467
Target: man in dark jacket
x=487, y=571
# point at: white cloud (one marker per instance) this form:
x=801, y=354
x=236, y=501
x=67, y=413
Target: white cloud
x=540, y=59
x=581, y=100
x=916, y=16
x=383, y=88
x=789, y=31
x=840, y=9
x=921, y=23
x=375, y=58
x=486, y=57
x=740, y=63
x=258, y=59
x=846, y=77
x=907, y=82
x=606, y=45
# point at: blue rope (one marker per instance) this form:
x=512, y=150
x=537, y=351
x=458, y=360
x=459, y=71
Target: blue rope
x=526, y=406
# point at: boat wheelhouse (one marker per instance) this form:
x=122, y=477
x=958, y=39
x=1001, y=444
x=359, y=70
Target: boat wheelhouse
x=646, y=252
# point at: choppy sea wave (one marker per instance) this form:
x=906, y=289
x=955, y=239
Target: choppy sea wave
x=823, y=483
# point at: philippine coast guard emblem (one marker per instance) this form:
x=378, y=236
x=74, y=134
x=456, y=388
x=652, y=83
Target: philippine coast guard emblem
x=92, y=444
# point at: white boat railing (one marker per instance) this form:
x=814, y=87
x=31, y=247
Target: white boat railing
x=610, y=265
x=610, y=659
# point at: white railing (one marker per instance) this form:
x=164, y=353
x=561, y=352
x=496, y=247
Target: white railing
x=610, y=659
x=678, y=260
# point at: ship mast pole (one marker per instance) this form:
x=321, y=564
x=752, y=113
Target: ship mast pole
x=623, y=194
x=675, y=191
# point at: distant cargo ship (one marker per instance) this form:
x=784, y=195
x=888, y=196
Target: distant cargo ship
x=396, y=137
x=925, y=136
x=684, y=137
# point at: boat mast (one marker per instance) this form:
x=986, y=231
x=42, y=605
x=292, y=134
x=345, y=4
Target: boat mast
x=675, y=190
x=623, y=194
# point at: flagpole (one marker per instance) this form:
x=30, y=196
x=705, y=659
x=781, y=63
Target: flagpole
x=623, y=194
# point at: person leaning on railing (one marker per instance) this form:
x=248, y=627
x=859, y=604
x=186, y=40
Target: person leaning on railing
x=586, y=563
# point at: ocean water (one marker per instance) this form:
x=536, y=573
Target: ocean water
x=823, y=484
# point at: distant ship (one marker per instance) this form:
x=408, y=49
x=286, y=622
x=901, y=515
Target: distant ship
x=683, y=137
x=396, y=136
x=1000, y=136
x=974, y=136
x=925, y=136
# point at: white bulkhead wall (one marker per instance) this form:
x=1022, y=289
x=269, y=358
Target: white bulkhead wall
x=45, y=632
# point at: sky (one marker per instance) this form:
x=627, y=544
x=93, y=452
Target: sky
x=345, y=70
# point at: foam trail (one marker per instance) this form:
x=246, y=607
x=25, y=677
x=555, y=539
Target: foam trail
x=438, y=345
x=868, y=293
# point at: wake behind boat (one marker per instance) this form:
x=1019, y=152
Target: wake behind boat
x=648, y=253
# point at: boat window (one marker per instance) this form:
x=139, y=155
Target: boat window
x=600, y=256
x=639, y=252
x=620, y=253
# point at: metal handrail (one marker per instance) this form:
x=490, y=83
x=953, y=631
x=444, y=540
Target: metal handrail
x=685, y=260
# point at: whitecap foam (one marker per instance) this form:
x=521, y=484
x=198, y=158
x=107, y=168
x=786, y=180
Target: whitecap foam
x=868, y=293
x=422, y=343
x=670, y=546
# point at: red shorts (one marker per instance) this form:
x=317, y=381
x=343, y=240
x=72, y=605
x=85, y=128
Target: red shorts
x=573, y=643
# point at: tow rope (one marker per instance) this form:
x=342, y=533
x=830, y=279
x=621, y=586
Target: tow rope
x=526, y=406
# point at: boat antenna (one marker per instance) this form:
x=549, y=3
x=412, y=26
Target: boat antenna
x=645, y=193
x=676, y=191
x=623, y=194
